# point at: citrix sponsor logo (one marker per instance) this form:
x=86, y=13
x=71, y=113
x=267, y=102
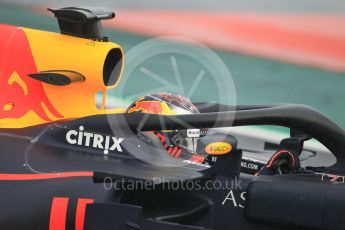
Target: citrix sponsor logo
x=80, y=137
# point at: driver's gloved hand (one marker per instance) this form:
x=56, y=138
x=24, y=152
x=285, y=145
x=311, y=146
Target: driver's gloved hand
x=282, y=162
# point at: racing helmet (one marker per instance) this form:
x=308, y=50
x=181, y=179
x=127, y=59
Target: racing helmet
x=170, y=104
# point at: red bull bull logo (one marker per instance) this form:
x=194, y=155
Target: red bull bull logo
x=152, y=107
x=20, y=94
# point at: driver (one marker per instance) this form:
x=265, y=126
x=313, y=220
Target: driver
x=178, y=143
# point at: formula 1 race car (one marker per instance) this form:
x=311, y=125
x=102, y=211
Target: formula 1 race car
x=163, y=162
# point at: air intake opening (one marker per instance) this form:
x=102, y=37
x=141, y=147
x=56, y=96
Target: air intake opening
x=112, y=67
